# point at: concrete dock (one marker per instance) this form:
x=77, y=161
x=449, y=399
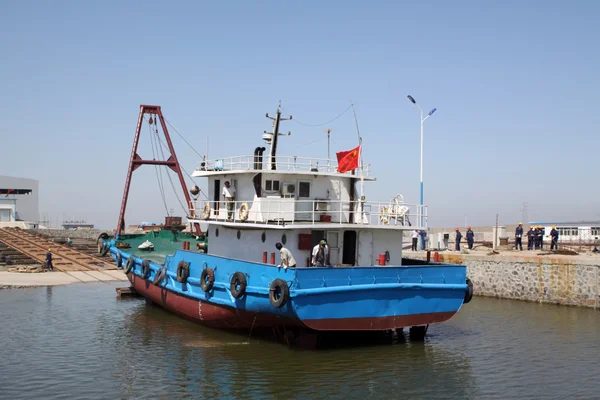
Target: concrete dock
x=21, y=280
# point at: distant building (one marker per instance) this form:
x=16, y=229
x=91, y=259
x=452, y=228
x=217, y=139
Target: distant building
x=580, y=231
x=19, y=199
x=79, y=225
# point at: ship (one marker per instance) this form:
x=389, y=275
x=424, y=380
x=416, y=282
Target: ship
x=232, y=276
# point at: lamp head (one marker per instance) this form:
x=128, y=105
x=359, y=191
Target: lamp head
x=412, y=100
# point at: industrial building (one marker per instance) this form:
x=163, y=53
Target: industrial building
x=19, y=199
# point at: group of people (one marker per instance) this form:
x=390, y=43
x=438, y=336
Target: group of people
x=535, y=238
x=470, y=239
x=320, y=256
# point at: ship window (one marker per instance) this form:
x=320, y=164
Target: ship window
x=239, y=234
x=272, y=186
x=303, y=189
x=263, y=237
x=283, y=239
x=217, y=232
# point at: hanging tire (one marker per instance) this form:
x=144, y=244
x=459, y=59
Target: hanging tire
x=119, y=261
x=160, y=276
x=129, y=265
x=102, y=237
x=145, y=269
x=279, y=293
x=104, y=250
x=207, y=279
x=238, y=285
x=183, y=272
x=469, y=292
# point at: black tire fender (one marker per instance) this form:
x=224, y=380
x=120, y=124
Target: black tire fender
x=468, y=292
x=279, y=293
x=102, y=237
x=207, y=279
x=183, y=272
x=119, y=260
x=145, y=269
x=129, y=265
x=104, y=249
x=238, y=285
x=160, y=276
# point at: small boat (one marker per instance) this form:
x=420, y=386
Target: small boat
x=360, y=283
x=146, y=246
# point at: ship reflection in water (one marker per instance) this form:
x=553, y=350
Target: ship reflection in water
x=80, y=341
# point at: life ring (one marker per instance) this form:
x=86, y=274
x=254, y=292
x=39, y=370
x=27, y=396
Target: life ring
x=244, y=212
x=279, y=292
x=183, y=271
x=468, y=292
x=384, y=215
x=238, y=285
x=207, y=279
x=160, y=276
x=145, y=269
x=206, y=211
x=119, y=260
x=129, y=265
x=103, y=249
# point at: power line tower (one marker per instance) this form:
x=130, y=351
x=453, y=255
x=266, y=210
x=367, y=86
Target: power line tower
x=524, y=215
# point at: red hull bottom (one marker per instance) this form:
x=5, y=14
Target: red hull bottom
x=223, y=317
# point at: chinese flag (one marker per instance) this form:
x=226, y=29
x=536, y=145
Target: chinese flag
x=348, y=160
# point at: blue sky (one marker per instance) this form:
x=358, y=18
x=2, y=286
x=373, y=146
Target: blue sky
x=515, y=85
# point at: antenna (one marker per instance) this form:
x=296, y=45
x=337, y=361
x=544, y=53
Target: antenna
x=328, y=131
x=360, y=160
x=271, y=138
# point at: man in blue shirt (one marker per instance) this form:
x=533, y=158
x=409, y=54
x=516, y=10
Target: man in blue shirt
x=519, y=237
x=554, y=236
x=530, y=238
x=458, y=237
x=49, y=260
x=470, y=238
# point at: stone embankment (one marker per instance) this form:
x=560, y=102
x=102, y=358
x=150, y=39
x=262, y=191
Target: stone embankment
x=556, y=279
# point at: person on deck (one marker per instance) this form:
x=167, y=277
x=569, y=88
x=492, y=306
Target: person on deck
x=415, y=240
x=554, y=236
x=541, y=237
x=229, y=196
x=49, y=260
x=519, y=237
x=470, y=238
x=320, y=254
x=287, y=259
x=530, y=238
x=536, y=237
x=457, y=242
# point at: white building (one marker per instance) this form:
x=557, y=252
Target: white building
x=19, y=199
x=578, y=232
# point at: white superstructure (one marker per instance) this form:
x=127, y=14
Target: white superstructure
x=298, y=201
x=19, y=199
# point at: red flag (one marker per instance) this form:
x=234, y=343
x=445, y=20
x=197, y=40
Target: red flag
x=9, y=192
x=348, y=160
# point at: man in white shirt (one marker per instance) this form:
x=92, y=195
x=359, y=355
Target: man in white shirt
x=415, y=239
x=229, y=196
x=287, y=259
x=320, y=254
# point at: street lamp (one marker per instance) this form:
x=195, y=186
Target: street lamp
x=412, y=100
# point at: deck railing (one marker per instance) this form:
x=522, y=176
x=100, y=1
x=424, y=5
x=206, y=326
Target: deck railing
x=283, y=163
x=280, y=211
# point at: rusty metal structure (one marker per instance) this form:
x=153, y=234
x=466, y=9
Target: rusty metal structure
x=64, y=259
x=136, y=161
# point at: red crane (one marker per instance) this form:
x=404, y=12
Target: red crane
x=136, y=161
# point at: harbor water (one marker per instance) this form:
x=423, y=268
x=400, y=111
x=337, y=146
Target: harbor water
x=80, y=341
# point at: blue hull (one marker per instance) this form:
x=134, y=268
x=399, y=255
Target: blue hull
x=321, y=299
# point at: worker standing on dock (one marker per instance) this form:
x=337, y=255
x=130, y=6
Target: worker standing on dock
x=554, y=236
x=519, y=237
x=415, y=239
x=541, y=237
x=49, y=260
x=470, y=238
x=530, y=238
x=457, y=242
x=287, y=259
x=320, y=254
x=229, y=196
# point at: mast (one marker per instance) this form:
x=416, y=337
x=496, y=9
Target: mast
x=273, y=137
x=360, y=166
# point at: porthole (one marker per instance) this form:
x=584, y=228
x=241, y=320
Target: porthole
x=217, y=232
x=263, y=237
x=239, y=234
x=283, y=239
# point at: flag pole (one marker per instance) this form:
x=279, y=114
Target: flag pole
x=360, y=166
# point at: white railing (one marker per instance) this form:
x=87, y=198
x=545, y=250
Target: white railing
x=283, y=163
x=280, y=211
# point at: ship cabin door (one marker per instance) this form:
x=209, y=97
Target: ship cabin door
x=217, y=197
x=333, y=240
x=349, y=248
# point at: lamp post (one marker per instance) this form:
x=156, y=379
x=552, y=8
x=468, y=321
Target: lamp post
x=412, y=100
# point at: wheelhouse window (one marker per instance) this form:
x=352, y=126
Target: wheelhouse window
x=271, y=185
